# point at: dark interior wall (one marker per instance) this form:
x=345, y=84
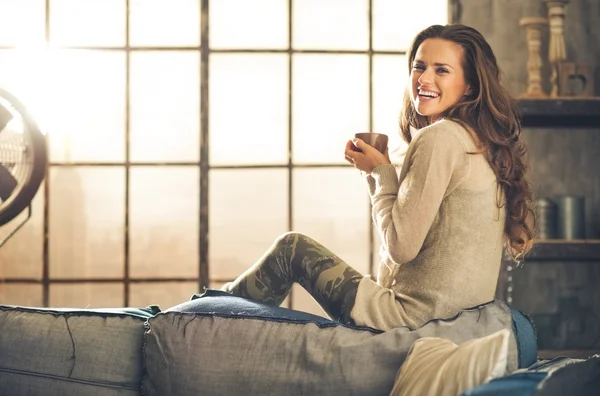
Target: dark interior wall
x=498, y=21
x=561, y=295
x=567, y=162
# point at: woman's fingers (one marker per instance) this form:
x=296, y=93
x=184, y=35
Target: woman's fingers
x=358, y=144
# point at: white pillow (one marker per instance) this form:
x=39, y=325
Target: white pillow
x=438, y=367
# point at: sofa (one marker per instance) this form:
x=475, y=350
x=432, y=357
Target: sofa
x=218, y=344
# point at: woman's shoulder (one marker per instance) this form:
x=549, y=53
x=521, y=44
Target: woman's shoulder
x=451, y=133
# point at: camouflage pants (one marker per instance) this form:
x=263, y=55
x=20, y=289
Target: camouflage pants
x=297, y=258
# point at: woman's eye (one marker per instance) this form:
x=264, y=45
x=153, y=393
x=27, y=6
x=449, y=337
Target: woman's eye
x=418, y=67
x=442, y=70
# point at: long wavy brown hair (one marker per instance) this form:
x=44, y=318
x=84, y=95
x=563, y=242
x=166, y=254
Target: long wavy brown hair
x=491, y=114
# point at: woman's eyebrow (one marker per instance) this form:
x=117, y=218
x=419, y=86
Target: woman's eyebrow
x=435, y=64
x=443, y=64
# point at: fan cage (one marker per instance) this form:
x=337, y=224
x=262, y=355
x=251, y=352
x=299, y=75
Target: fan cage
x=15, y=156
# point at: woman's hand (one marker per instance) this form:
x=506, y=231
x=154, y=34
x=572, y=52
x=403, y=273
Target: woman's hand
x=365, y=157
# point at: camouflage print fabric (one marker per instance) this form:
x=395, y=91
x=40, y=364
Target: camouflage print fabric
x=295, y=257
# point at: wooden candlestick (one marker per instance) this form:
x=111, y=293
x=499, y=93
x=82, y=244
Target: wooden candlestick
x=533, y=28
x=556, y=49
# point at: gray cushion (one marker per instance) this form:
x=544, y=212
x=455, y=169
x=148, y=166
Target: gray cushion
x=236, y=353
x=71, y=352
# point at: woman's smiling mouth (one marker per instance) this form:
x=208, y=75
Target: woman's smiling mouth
x=427, y=95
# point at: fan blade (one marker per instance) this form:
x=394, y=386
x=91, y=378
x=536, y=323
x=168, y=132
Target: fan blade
x=5, y=117
x=7, y=183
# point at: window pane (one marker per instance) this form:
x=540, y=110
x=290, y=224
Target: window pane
x=396, y=23
x=87, y=97
x=25, y=74
x=163, y=294
x=86, y=222
x=87, y=23
x=248, y=109
x=390, y=76
x=302, y=301
x=22, y=255
x=331, y=24
x=230, y=26
x=77, y=96
x=22, y=22
x=169, y=23
x=331, y=104
x=342, y=228
x=164, y=213
x=248, y=210
x=21, y=294
x=165, y=106
x=87, y=295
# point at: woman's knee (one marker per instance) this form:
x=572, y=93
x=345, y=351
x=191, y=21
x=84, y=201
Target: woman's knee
x=294, y=238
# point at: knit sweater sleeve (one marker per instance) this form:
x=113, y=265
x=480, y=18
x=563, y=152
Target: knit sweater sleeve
x=404, y=209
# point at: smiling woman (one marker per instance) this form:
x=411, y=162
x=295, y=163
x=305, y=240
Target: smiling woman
x=438, y=78
x=119, y=86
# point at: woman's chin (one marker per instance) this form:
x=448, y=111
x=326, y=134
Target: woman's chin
x=425, y=112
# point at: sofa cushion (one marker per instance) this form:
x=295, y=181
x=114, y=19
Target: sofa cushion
x=71, y=351
x=220, y=344
x=438, y=367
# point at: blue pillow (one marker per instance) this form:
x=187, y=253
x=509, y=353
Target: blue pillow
x=526, y=338
x=520, y=384
x=224, y=304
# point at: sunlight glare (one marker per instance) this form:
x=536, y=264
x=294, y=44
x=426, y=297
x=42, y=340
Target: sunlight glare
x=25, y=74
x=22, y=22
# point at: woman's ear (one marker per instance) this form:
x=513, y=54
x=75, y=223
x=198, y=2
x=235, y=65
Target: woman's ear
x=468, y=90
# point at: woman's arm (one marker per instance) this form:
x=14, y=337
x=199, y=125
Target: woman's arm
x=404, y=210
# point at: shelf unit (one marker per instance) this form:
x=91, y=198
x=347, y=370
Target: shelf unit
x=560, y=112
x=564, y=249
x=559, y=115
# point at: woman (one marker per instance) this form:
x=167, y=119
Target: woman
x=461, y=197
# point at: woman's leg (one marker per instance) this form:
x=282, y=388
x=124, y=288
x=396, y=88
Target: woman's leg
x=295, y=257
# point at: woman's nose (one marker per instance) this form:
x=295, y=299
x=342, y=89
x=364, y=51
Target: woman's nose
x=426, y=76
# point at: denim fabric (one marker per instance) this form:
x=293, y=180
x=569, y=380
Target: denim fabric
x=71, y=351
x=526, y=338
x=216, y=301
x=528, y=381
x=521, y=384
x=581, y=378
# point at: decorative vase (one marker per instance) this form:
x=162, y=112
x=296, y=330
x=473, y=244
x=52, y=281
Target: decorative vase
x=556, y=48
x=533, y=28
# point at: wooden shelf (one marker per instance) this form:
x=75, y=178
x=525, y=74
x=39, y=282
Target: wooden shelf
x=561, y=249
x=560, y=112
x=569, y=353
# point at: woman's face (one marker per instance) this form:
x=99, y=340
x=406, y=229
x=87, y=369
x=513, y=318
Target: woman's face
x=437, y=77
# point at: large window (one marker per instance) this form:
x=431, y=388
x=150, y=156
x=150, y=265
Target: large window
x=185, y=135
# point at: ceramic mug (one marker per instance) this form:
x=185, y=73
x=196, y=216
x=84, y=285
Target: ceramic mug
x=377, y=140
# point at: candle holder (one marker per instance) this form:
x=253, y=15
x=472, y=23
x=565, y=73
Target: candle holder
x=556, y=49
x=533, y=28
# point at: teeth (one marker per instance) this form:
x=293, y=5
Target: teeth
x=428, y=93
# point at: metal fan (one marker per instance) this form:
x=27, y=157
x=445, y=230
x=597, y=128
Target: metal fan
x=23, y=160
